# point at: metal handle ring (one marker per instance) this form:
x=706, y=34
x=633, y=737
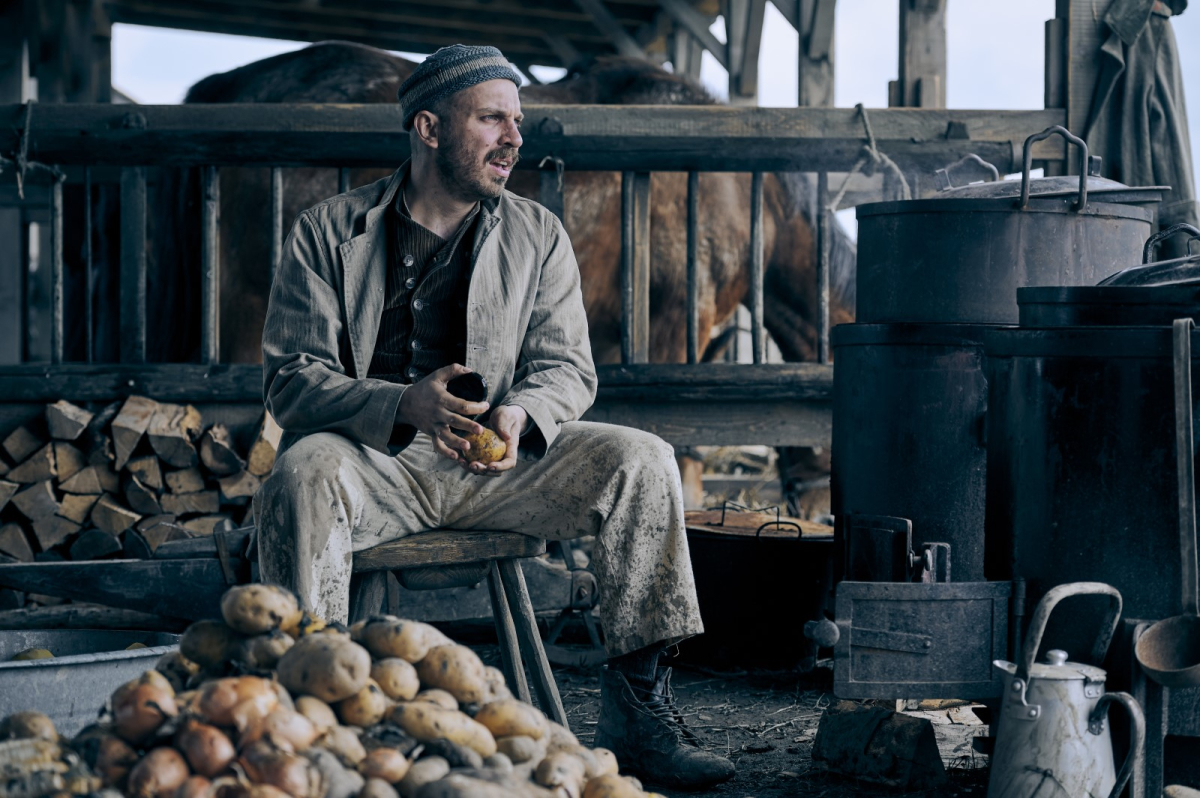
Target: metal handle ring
x=1157, y=238
x=943, y=174
x=1027, y=164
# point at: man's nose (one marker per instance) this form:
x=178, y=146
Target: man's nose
x=512, y=135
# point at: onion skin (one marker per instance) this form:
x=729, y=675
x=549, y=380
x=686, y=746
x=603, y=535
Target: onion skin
x=194, y=787
x=286, y=728
x=160, y=773
x=114, y=759
x=140, y=711
x=317, y=711
x=218, y=699
x=385, y=763
x=207, y=749
x=265, y=764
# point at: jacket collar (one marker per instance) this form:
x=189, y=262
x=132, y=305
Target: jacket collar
x=365, y=261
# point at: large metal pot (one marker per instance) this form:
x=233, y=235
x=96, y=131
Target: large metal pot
x=961, y=256
x=909, y=402
x=1081, y=472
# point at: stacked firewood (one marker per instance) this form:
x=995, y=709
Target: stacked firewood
x=122, y=481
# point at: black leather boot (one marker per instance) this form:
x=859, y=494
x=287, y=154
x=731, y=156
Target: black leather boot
x=645, y=730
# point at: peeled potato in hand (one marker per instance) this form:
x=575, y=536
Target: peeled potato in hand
x=486, y=447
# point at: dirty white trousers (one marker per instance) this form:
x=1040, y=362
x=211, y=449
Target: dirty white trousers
x=329, y=497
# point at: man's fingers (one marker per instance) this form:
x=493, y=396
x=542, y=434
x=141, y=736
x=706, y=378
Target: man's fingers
x=444, y=450
x=447, y=436
x=460, y=423
x=447, y=373
x=463, y=407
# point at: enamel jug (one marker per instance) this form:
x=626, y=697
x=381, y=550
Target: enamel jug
x=1053, y=736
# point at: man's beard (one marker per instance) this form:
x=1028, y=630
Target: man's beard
x=468, y=179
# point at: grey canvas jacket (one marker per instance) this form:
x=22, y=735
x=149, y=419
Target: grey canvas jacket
x=526, y=328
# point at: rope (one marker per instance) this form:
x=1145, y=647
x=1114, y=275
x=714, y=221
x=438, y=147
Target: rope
x=868, y=161
x=560, y=166
x=21, y=159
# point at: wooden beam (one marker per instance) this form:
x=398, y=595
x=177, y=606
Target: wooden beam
x=922, y=76
x=612, y=28
x=696, y=24
x=671, y=138
x=567, y=54
x=743, y=86
x=1084, y=29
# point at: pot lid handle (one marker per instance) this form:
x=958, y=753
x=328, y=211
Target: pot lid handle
x=1157, y=238
x=943, y=175
x=1027, y=166
x=1041, y=616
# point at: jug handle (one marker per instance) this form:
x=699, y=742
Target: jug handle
x=1027, y=164
x=1137, y=734
x=1041, y=616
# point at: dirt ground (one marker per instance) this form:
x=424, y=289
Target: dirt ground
x=766, y=722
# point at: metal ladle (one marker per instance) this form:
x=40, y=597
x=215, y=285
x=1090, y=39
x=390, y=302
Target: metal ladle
x=1169, y=651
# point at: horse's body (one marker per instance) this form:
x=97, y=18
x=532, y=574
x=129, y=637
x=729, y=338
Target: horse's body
x=349, y=73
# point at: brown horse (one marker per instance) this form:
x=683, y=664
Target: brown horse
x=349, y=73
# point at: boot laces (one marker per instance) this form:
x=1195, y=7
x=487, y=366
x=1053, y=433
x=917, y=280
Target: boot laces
x=662, y=706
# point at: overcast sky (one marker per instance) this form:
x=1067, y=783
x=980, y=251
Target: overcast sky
x=995, y=59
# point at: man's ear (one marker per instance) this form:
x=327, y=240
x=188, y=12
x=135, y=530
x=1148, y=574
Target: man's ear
x=425, y=125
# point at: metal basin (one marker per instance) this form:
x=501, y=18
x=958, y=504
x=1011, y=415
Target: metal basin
x=87, y=666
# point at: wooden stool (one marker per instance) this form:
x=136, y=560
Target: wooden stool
x=444, y=558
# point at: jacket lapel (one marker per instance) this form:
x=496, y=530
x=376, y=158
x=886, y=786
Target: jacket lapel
x=364, y=264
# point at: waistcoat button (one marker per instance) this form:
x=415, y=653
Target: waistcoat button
x=416, y=345
x=410, y=282
x=409, y=260
x=418, y=304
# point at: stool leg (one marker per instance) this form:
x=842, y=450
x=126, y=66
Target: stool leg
x=513, y=580
x=506, y=632
x=368, y=591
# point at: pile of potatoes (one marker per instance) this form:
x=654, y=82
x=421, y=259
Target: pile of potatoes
x=271, y=702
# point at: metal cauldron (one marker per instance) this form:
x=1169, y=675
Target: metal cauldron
x=1081, y=472
x=961, y=256
x=908, y=424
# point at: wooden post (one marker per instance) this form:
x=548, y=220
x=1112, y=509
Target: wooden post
x=1084, y=29
x=743, y=40
x=693, y=274
x=133, y=264
x=210, y=264
x=14, y=83
x=922, y=81
x=635, y=267
x=814, y=23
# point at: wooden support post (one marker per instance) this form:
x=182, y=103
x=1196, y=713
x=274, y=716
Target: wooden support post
x=922, y=81
x=814, y=23
x=89, y=278
x=564, y=51
x=696, y=24
x=743, y=37
x=635, y=267
x=210, y=265
x=56, y=272
x=133, y=264
x=824, y=229
x=758, y=338
x=277, y=218
x=693, y=272
x=625, y=44
x=1084, y=37
x=14, y=82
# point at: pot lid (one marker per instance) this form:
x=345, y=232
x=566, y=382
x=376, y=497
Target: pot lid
x=1057, y=668
x=1100, y=189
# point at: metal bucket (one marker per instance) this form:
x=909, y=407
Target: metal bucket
x=908, y=420
x=87, y=666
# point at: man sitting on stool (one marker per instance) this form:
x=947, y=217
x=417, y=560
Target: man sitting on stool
x=386, y=293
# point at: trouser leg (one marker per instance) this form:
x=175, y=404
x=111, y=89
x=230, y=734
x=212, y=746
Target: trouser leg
x=621, y=485
x=326, y=498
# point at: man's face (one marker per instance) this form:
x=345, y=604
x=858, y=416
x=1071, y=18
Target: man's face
x=477, y=144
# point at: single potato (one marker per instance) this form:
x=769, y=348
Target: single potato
x=486, y=447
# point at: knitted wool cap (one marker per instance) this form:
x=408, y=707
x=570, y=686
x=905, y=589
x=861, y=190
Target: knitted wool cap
x=450, y=70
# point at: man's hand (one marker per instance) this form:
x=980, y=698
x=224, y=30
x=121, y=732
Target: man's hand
x=507, y=421
x=429, y=407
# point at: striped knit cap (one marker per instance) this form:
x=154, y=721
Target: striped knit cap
x=450, y=70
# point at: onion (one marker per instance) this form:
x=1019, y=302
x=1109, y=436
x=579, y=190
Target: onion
x=207, y=749
x=385, y=763
x=113, y=759
x=253, y=709
x=316, y=710
x=287, y=729
x=218, y=699
x=138, y=712
x=265, y=764
x=194, y=787
x=160, y=773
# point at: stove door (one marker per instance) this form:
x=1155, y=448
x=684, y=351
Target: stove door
x=914, y=640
